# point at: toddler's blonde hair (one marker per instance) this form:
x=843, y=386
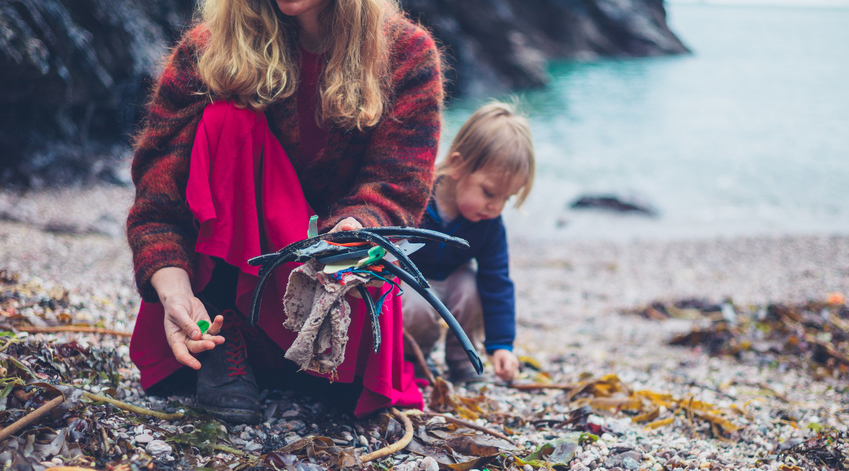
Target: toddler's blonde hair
x=495, y=137
x=252, y=57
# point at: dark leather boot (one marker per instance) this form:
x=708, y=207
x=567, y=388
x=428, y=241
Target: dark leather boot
x=226, y=386
x=461, y=371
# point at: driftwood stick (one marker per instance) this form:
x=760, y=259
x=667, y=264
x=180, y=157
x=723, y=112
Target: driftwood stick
x=829, y=347
x=397, y=446
x=73, y=328
x=6, y=345
x=31, y=418
x=420, y=359
x=129, y=407
x=228, y=449
x=711, y=388
x=469, y=424
x=533, y=386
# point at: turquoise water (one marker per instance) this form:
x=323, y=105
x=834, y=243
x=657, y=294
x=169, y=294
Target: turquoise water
x=749, y=135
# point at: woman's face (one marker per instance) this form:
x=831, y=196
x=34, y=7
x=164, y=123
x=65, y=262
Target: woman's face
x=301, y=7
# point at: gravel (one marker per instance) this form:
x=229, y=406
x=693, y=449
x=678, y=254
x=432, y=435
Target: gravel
x=572, y=297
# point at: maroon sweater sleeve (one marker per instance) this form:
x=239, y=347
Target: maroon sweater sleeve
x=393, y=184
x=160, y=230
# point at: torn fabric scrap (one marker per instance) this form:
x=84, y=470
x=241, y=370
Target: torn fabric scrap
x=316, y=309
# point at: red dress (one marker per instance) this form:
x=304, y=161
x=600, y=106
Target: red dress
x=247, y=200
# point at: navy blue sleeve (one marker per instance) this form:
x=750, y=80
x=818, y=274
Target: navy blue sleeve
x=496, y=289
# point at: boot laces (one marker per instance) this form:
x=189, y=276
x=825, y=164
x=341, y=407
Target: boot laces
x=236, y=353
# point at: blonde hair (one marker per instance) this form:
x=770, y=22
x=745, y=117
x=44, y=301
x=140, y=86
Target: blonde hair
x=495, y=137
x=252, y=57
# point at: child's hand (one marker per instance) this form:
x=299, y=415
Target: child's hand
x=506, y=364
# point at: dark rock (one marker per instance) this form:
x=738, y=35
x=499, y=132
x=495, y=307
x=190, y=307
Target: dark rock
x=76, y=74
x=499, y=45
x=613, y=203
x=698, y=303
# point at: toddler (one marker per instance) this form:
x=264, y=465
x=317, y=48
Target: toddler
x=490, y=162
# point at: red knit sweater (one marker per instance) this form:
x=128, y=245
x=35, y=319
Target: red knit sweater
x=381, y=176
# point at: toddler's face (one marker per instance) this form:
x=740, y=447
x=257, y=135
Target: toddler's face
x=483, y=194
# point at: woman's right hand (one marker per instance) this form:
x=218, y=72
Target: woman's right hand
x=182, y=312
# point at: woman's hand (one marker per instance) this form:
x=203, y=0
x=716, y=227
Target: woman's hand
x=182, y=312
x=351, y=224
x=506, y=364
x=347, y=224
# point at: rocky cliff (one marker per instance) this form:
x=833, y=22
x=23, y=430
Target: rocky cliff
x=75, y=73
x=497, y=45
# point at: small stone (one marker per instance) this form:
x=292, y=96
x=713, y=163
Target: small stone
x=707, y=455
x=429, y=464
x=158, y=447
x=292, y=425
x=144, y=438
x=630, y=463
x=253, y=446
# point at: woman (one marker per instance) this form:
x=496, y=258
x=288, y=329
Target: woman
x=267, y=112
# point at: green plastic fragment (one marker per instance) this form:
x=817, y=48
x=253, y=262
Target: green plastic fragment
x=203, y=326
x=313, y=229
x=374, y=254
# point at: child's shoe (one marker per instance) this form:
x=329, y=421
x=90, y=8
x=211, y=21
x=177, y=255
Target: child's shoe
x=462, y=371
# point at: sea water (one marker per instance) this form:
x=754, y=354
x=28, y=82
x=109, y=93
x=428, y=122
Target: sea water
x=748, y=135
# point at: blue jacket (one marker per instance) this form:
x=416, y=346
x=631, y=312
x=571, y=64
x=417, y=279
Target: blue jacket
x=488, y=242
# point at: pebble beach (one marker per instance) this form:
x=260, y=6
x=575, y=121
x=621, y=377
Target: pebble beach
x=576, y=302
